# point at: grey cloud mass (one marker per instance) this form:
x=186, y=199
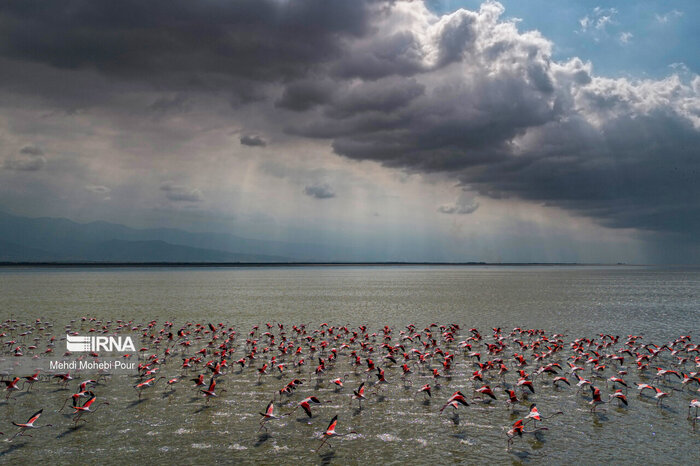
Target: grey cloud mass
x=179, y=43
x=30, y=158
x=496, y=112
x=464, y=96
x=31, y=150
x=320, y=191
x=252, y=140
x=179, y=193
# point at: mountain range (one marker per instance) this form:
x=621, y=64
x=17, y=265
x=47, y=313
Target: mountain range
x=44, y=239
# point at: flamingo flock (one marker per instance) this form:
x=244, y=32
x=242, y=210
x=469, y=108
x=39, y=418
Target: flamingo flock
x=353, y=369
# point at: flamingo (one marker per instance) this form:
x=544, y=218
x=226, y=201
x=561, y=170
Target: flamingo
x=519, y=429
x=64, y=378
x=11, y=386
x=694, y=404
x=74, y=397
x=645, y=386
x=31, y=379
x=619, y=395
x=512, y=398
x=338, y=384
x=660, y=395
x=85, y=408
x=425, y=389
x=305, y=404
x=359, y=394
x=199, y=381
x=29, y=425
x=486, y=390
x=330, y=432
x=560, y=379
x=535, y=415
x=140, y=387
x=596, y=398
x=209, y=392
x=664, y=373
x=455, y=400
x=267, y=415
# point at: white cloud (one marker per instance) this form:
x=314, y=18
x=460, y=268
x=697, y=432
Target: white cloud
x=668, y=17
x=465, y=204
x=596, y=23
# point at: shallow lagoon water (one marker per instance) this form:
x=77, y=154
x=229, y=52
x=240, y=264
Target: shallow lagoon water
x=398, y=426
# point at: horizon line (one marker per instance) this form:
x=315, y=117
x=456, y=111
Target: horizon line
x=158, y=264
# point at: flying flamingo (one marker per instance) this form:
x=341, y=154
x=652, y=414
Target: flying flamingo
x=85, y=408
x=11, y=386
x=425, y=389
x=519, y=429
x=486, y=390
x=140, y=387
x=596, y=398
x=267, y=415
x=359, y=394
x=209, y=392
x=535, y=415
x=645, y=386
x=620, y=396
x=455, y=400
x=80, y=394
x=512, y=398
x=305, y=404
x=330, y=432
x=199, y=381
x=560, y=379
x=29, y=425
x=31, y=379
x=338, y=384
x=64, y=378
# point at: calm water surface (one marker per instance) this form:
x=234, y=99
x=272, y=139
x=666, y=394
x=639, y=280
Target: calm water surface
x=397, y=427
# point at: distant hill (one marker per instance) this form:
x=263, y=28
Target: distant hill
x=24, y=239
x=13, y=252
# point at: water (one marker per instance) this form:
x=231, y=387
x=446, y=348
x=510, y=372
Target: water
x=397, y=427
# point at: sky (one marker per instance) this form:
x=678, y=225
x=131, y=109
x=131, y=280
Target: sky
x=538, y=131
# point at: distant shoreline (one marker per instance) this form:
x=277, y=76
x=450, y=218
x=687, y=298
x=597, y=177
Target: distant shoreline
x=297, y=264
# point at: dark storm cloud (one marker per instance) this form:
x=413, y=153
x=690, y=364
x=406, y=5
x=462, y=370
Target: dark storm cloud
x=464, y=95
x=210, y=45
x=497, y=113
x=252, y=140
x=170, y=104
x=305, y=94
x=636, y=171
x=385, y=96
x=320, y=191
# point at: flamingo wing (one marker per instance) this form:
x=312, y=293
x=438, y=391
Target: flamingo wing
x=331, y=427
x=35, y=416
